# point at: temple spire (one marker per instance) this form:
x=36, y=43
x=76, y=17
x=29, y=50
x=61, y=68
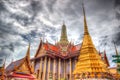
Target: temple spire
x=28, y=52
x=28, y=59
x=64, y=38
x=85, y=21
x=116, y=49
x=106, y=59
x=89, y=60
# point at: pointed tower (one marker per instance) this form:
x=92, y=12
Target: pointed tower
x=106, y=59
x=27, y=57
x=90, y=65
x=39, y=48
x=28, y=53
x=63, y=38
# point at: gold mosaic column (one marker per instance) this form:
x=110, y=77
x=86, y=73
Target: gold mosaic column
x=40, y=69
x=49, y=62
x=54, y=68
x=59, y=70
x=70, y=78
x=44, y=71
x=64, y=69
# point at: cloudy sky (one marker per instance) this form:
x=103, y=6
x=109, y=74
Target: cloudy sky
x=24, y=21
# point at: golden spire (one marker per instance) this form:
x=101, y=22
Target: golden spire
x=28, y=53
x=89, y=61
x=64, y=39
x=116, y=49
x=106, y=59
x=28, y=58
x=85, y=22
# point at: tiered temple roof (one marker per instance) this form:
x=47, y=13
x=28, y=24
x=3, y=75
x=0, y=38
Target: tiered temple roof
x=64, y=39
x=21, y=68
x=89, y=65
x=62, y=48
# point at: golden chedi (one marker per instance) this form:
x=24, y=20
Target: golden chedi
x=90, y=65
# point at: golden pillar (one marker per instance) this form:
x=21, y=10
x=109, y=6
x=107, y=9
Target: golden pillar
x=49, y=62
x=44, y=71
x=40, y=69
x=70, y=78
x=54, y=69
x=59, y=69
x=64, y=69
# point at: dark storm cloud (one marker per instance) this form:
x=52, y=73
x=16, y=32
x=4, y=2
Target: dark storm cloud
x=23, y=20
x=73, y=8
x=2, y=7
x=6, y=28
x=50, y=5
x=117, y=8
x=117, y=3
x=5, y=44
x=49, y=29
x=7, y=31
x=116, y=36
x=9, y=46
x=5, y=53
x=104, y=41
x=35, y=6
x=118, y=15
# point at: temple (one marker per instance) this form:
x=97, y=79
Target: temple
x=63, y=60
x=58, y=59
x=21, y=69
x=90, y=65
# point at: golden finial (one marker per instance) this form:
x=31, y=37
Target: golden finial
x=85, y=21
x=28, y=52
x=115, y=49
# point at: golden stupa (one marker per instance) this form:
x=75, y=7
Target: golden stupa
x=90, y=66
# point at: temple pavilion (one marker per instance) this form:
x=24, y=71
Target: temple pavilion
x=57, y=59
